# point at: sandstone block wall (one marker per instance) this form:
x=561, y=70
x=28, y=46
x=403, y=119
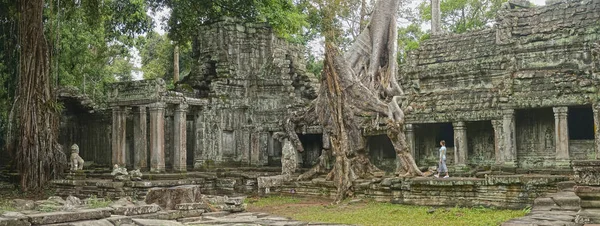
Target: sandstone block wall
x=536, y=57
x=252, y=79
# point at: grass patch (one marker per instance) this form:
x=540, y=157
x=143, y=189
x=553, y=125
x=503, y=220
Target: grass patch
x=376, y=213
x=95, y=202
x=6, y=206
x=273, y=201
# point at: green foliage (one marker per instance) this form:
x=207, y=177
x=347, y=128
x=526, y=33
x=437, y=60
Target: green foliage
x=95, y=202
x=157, y=53
x=186, y=15
x=409, y=39
x=92, y=41
x=459, y=16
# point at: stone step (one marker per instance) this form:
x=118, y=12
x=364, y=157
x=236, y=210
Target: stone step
x=588, y=192
x=566, y=185
x=62, y=217
x=566, y=201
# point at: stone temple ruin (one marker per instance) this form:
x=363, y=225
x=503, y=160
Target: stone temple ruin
x=518, y=105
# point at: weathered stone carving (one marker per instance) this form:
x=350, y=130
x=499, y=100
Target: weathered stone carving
x=120, y=173
x=75, y=160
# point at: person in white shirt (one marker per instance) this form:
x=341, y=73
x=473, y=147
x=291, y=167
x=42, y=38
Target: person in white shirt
x=442, y=163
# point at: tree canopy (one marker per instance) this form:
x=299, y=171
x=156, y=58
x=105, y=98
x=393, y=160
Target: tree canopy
x=186, y=15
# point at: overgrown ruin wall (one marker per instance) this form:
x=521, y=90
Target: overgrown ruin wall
x=526, y=71
x=531, y=58
x=252, y=80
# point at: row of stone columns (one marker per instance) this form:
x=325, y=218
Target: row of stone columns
x=505, y=137
x=157, y=137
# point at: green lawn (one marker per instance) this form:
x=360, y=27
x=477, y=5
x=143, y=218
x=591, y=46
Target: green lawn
x=375, y=213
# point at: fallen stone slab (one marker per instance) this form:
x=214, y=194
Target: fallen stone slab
x=120, y=220
x=153, y=222
x=14, y=221
x=136, y=210
x=168, y=198
x=193, y=206
x=102, y=222
x=216, y=214
x=62, y=217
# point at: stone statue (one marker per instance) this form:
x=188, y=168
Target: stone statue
x=120, y=173
x=75, y=160
x=135, y=175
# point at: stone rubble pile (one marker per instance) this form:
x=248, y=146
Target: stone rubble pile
x=163, y=206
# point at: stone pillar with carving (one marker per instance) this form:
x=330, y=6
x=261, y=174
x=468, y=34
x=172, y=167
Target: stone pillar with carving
x=410, y=138
x=596, y=109
x=460, y=144
x=508, y=148
x=119, y=134
x=140, y=142
x=199, y=140
x=561, y=131
x=157, y=137
x=179, y=138
x=498, y=141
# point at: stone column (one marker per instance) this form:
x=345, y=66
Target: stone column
x=508, y=148
x=596, y=109
x=180, y=137
x=140, y=147
x=460, y=144
x=436, y=21
x=410, y=138
x=199, y=146
x=561, y=131
x=498, y=141
x=119, y=133
x=157, y=137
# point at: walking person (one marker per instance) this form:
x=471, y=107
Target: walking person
x=442, y=163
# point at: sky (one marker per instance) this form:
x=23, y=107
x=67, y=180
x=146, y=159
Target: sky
x=315, y=45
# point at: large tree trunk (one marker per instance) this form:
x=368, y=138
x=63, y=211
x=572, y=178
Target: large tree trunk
x=39, y=156
x=362, y=82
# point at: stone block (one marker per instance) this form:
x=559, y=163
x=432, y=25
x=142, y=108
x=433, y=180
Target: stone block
x=120, y=220
x=192, y=206
x=102, y=222
x=62, y=217
x=5, y=221
x=588, y=192
x=136, y=210
x=154, y=222
x=168, y=198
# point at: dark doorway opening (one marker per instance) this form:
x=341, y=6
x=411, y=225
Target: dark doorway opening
x=445, y=133
x=581, y=123
x=313, y=145
x=381, y=152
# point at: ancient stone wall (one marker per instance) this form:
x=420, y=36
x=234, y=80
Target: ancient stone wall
x=536, y=57
x=524, y=75
x=510, y=191
x=252, y=79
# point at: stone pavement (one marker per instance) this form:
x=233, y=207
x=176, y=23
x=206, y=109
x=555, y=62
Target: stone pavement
x=558, y=209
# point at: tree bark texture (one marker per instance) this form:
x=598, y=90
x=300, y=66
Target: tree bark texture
x=360, y=83
x=39, y=155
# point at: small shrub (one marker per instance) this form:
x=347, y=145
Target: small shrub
x=95, y=202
